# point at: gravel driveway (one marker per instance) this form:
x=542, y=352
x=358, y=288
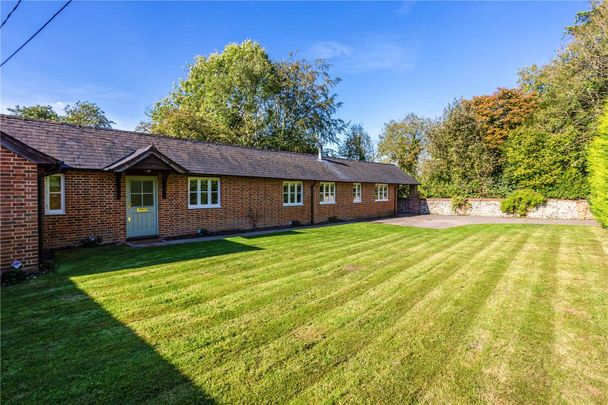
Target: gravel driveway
x=449, y=221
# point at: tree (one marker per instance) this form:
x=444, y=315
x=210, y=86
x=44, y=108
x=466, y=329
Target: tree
x=357, y=145
x=549, y=151
x=500, y=113
x=86, y=114
x=301, y=111
x=39, y=112
x=240, y=96
x=144, y=127
x=459, y=162
x=402, y=142
x=574, y=86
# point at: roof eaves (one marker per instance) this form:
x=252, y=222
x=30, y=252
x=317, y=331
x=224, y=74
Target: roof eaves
x=27, y=152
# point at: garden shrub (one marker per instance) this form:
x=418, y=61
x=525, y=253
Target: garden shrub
x=460, y=205
x=598, y=172
x=12, y=276
x=520, y=202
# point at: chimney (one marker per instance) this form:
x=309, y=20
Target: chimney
x=320, y=157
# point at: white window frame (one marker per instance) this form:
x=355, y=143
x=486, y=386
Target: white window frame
x=199, y=193
x=47, y=195
x=299, y=196
x=327, y=192
x=356, y=192
x=381, y=193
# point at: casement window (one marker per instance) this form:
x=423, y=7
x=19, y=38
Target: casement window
x=381, y=193
x=54, y=194
x=356, y=192
x=327, y=193
x=203, y=192
x=292, y=193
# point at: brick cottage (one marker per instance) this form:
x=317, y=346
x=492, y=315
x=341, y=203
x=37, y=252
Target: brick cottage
x=61, y=184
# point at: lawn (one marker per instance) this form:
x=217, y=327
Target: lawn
x=348, y=313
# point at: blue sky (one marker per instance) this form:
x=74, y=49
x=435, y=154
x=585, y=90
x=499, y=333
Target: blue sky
x=393, y=57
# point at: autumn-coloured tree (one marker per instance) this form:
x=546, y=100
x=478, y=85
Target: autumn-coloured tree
x=501, y=112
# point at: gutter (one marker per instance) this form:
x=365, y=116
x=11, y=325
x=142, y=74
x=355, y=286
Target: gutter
x=396, y=202
x=40, y=217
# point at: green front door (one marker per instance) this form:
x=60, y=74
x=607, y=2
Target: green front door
x=141, y=206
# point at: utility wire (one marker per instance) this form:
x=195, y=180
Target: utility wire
x=36, y=33
x=9, y=14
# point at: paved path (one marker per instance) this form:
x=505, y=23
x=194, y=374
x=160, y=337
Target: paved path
x=423, y=221
x=449, y=221
x=163, y=242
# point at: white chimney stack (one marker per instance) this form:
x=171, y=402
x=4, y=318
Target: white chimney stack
x=320, y=157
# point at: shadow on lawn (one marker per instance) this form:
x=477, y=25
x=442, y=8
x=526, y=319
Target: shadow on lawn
x=59, y=345
x=113, y=258
x=271, y=234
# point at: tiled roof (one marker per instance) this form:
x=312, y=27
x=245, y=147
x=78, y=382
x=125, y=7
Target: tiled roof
x=89, y=148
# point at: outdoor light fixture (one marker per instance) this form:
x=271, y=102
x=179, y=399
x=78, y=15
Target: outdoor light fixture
x=17, y=265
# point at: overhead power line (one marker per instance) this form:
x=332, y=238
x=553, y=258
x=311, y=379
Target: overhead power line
x=36, y=33
x=9, y=14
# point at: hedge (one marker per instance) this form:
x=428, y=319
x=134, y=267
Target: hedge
x=598, y=171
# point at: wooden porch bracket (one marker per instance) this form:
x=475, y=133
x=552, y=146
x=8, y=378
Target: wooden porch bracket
x=165, y=177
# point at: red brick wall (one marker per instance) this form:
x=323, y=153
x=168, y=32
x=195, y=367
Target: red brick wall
x=245, y=201
x=18, y=211
x=92, y=208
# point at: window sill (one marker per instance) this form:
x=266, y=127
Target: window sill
x=381, y=200
x=356, y=201
x=293, y=205
x=327, y=203
x=54, y=213
x=197, y=207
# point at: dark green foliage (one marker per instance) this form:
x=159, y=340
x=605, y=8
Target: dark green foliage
x=549, y=152
x=38, y=112
x=598, y=172
x=357, y=145
x=86, y=114
x=459, y=161
x=460, y=205
x=82, y=113
x=552, y=163
x=402, y=142
x=520, y=202
x=240, y=96
x=12, y=276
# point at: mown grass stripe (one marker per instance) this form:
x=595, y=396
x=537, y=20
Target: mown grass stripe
x=423, y=324
x=282, y=324
x=353, y=328
x=474, y=371
x=369, y=312
x=581, y=343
